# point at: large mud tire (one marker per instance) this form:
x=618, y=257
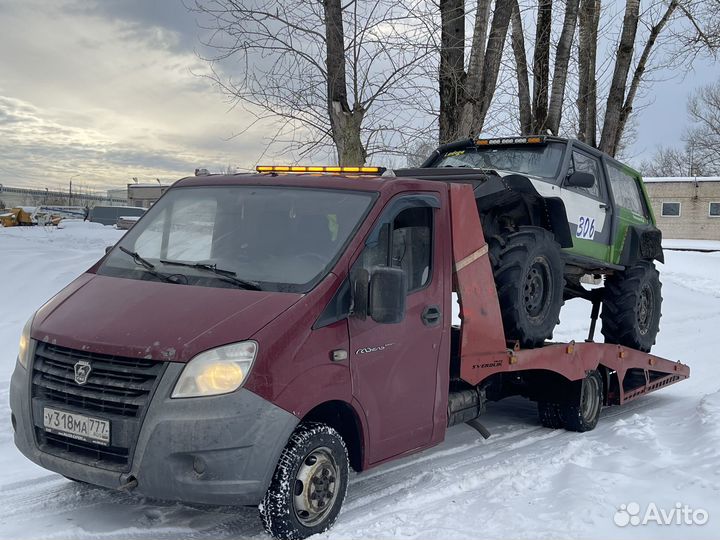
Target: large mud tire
x=631, y=307
x=529, y=279
x=309, y=484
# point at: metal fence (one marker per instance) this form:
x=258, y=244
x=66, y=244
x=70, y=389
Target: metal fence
x=14, y=196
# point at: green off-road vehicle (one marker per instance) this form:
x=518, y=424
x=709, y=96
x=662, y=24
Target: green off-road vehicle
x=554, y=210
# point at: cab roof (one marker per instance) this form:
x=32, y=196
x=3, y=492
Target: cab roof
x=351, y=182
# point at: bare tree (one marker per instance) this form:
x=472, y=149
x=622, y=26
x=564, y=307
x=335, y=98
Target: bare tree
x=452, y=74
x=541, y=64
x=666, y=162
x=689, y=27
x=545, y=111
x=700, y=155
x=330, y=76
x=664, y=34
x=560, y=73
x=521, y=70
x=466, y=95
x=703, y=138
x=588, y=21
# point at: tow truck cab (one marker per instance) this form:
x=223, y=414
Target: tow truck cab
x=241, y=312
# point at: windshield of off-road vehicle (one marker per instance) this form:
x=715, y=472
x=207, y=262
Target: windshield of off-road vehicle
x=250, y=237
x=542, y=160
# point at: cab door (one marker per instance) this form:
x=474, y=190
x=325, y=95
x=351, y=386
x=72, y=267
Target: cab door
x=588, y=208
x=395, y=366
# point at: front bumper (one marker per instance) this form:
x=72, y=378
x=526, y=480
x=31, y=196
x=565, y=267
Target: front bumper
x=212, y=450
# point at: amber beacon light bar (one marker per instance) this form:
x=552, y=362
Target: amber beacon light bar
x=319, y=169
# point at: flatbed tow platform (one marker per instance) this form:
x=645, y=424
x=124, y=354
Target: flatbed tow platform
x=561, y=377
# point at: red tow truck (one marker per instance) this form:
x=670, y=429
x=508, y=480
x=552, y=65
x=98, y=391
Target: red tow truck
x=255, y=335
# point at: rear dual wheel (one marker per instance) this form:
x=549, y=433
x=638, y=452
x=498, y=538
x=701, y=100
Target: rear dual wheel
x=581, y=411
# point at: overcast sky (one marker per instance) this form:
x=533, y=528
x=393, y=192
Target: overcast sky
x=102, y=91
x=105, y=91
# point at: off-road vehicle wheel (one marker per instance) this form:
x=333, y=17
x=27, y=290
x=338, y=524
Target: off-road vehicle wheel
x=309, y=484
x=529, y=279
x=631, y=307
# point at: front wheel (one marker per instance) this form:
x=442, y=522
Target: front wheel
x=631, y=307
x=309, y=484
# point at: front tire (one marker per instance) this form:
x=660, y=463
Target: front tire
x=631, y=307
x=309, y=484
x=528, y=273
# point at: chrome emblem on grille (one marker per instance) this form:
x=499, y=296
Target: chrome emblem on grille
x=82, y=371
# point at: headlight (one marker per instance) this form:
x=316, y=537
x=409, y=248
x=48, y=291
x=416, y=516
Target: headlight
x=217, y=371
x=24, y=348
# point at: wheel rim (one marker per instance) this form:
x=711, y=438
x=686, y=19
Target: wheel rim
x=645, y=309
x=590, y=398
x=316, y=485
x=537, y=288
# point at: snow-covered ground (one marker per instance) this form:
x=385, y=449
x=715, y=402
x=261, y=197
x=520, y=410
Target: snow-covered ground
x=689, y=245
x=524, y=482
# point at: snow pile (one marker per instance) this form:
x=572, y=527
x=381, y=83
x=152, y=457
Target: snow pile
x=524, y=482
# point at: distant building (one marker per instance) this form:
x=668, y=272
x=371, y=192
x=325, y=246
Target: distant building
x=686, y=207
x=145, y=195
x=120, y=193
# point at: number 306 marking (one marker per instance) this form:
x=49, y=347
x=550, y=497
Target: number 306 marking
x=586, y=228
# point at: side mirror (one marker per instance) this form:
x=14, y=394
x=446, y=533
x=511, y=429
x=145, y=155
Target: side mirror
x=581, y=179
x=387, y=292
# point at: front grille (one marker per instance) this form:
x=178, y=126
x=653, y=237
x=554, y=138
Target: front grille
x=117, y=389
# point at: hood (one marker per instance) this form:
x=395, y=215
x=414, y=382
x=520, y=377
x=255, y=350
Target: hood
x=148, y=319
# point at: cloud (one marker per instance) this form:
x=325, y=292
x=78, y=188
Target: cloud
x=107, y=90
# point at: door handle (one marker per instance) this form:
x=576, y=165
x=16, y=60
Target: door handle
x=604, y=206
x=431, y=315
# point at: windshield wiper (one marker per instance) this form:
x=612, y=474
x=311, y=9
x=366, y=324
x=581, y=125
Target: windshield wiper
x=225, y=275
x=150, y=267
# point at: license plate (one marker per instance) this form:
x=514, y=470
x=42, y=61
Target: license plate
x=77, y=426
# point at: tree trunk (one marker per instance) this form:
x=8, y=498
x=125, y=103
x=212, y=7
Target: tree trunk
x=616, y=96
x=452, y=68
x=344, y=122
x=541, y=64
x=589, y=16
x=473, y=81
x=517, y=40
x=562, y=59
x=592, y=88
x=640, y=69
x=491, y=66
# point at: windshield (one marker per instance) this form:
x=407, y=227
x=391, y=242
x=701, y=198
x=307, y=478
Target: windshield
x=536, y=160
x=268, y=238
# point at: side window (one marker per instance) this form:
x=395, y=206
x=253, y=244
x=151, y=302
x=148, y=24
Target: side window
x=585, y=163
x=625, y=189
x=405, y=242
